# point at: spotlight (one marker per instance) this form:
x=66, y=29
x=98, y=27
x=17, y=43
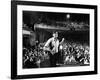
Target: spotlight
x=68, y=16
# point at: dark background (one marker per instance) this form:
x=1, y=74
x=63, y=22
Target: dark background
x=31, y=17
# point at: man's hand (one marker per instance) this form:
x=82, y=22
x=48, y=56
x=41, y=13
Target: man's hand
x=63, y=39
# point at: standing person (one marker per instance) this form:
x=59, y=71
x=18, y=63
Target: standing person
x=52, y=46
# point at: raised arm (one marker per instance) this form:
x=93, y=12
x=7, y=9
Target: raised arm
x=62, y=41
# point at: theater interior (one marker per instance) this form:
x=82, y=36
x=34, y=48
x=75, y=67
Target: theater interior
x=38, y=28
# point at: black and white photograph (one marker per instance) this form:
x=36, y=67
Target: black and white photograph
x=53, y=39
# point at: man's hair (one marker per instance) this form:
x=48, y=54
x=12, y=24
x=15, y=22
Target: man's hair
x=55, y=32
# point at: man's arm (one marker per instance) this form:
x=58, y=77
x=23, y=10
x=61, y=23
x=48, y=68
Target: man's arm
x=46, y=46
x=62, y=41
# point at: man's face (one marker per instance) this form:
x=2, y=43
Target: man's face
x=55, y=35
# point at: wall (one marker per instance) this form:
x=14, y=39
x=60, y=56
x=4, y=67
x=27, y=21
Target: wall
x=5, y=40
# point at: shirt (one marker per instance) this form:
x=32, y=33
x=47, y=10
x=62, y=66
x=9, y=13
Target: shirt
x=54, y=44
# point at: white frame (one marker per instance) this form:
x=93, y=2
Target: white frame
x=21, y=71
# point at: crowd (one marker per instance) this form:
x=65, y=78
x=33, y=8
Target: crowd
x=72, y=53
x=76, y=53
x=34, y=56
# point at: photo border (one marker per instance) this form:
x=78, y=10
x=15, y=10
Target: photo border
x=14, y=38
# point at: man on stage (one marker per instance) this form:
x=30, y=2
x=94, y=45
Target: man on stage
x=52, y=46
